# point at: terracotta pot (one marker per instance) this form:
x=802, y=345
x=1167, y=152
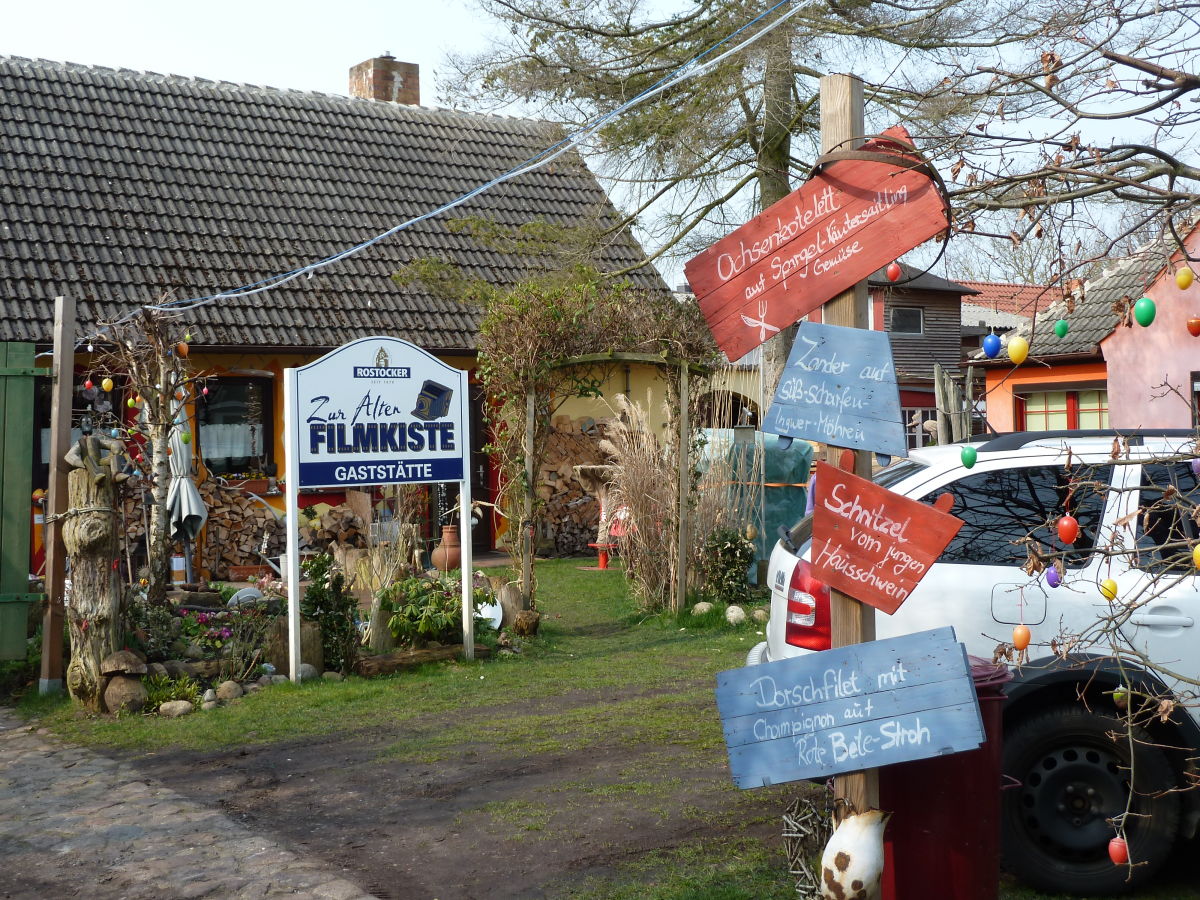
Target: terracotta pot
x=448, y=554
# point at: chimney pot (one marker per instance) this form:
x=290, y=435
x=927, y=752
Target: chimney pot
x=386, y=78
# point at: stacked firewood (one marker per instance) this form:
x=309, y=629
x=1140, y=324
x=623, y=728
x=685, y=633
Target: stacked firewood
x=337, y=529
x=571, y=514
x=241, y=530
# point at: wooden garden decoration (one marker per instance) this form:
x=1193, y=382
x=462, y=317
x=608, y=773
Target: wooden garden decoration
x=858, y=212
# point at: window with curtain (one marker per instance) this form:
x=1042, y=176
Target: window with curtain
x=236, y=433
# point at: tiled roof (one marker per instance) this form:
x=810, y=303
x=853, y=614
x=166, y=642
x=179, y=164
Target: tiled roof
x=123, y=188
x=981, y=318
x=1092, y=316
x=1017, y=299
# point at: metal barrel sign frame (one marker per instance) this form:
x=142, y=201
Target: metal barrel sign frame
x=375, y=411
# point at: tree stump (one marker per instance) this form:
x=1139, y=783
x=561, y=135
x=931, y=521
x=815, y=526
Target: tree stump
x=93, y=611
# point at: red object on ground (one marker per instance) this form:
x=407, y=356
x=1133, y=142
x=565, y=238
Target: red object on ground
x=602, y=556
x=945, y=825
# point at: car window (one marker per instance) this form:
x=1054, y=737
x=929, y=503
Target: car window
x=1166, y=527
x=1002, y=509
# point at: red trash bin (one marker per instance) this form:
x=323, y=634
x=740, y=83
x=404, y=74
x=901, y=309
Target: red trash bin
x=943, y=840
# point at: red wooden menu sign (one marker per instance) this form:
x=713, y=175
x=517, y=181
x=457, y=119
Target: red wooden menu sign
x=871, y=544
x=851, y=218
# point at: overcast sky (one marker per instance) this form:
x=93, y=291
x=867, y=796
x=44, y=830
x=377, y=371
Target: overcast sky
x=306, y=45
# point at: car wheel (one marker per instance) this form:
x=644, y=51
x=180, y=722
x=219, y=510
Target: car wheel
x=1073, y=777
x=757, y=654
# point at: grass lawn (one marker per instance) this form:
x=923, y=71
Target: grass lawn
x=655, y=677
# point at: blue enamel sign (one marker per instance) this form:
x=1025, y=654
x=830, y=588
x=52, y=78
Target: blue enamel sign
x=839, y=387
x=852, y=708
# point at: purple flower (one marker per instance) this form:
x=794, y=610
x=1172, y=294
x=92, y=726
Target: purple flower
x=225, y=633
x=202, y=618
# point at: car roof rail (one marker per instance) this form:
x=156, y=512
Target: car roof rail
x=1014, y=440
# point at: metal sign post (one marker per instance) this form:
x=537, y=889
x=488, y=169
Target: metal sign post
x=375, y=411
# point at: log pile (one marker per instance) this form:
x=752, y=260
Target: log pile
x=571, y=514
x=334, y=531
x=240, y=530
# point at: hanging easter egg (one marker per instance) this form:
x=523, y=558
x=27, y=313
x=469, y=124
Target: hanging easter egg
x=182, y=349
x=204, y=391
x=187, y=336
x=1108, y=588
x=87, y=384
x=968, y=456
x=1195, y=466
x=1184, y=276
x=185, y=437
x=1144, y=311
x=1068, y=529
x=894, y=271
x=169, y=451
x=91, y=348
x=1196, y=556
x=106, y=385
x=1052, y=577
x=131, y=403
x=1120, y=697
x=1118, y=851
x=1061, y=327
x=1018, y=350
x=116, y=432
x=991, y=346
x=1021, y=637
x=1193, y=327
x=179, y=395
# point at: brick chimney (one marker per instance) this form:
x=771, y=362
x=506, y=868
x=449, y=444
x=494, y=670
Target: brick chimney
x=385, y=78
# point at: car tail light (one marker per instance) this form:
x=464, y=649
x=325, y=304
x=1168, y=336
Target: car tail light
x=807, y=610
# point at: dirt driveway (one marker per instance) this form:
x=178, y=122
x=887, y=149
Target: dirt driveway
x=478, y=822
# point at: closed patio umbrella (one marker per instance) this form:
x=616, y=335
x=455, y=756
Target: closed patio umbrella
x=184, y=504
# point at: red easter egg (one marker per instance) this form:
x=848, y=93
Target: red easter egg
x=894, y=271
x=1068, y=529
x=1118, y=851
x=1193, y=326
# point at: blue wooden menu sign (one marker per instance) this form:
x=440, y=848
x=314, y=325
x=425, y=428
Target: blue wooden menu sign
x=839, y=387
x=856, y=707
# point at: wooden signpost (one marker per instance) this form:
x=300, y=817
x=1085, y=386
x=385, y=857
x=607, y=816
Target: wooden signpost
x=858, y=707
x=833, y=232
x=872, y=544
x=839, y=387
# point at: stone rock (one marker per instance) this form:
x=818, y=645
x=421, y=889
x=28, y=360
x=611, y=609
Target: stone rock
x=761, y=616
x=122, y=662
x=209, y=704
x=307, y=671
x=203, y=599
x=177, y=667
x=266, y=680
x=332, y=676
x=210, y=695
x=252, y=687
x=157, y=669
x=279, y=679
x=701, y=608
x=125, y=693
x=172, y=709
x=229, y=690
x=735, y=615
x=193, y=652
x=206, y=668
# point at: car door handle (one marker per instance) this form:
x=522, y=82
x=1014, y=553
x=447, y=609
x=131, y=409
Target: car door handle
x=1161, y=620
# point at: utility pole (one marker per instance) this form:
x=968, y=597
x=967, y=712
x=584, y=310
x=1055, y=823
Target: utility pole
x=851, y=622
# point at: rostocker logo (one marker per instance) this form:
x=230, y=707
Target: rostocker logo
x=381, y=369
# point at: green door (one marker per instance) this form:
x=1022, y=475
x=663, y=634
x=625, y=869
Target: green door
x=16, y=484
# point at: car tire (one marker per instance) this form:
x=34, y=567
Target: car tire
x=757, y=654
x=1073, y=777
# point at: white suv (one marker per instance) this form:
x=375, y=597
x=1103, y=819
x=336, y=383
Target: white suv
x=1087, y=657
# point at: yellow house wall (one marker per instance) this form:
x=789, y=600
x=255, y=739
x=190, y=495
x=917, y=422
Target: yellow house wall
x=1003, y=382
